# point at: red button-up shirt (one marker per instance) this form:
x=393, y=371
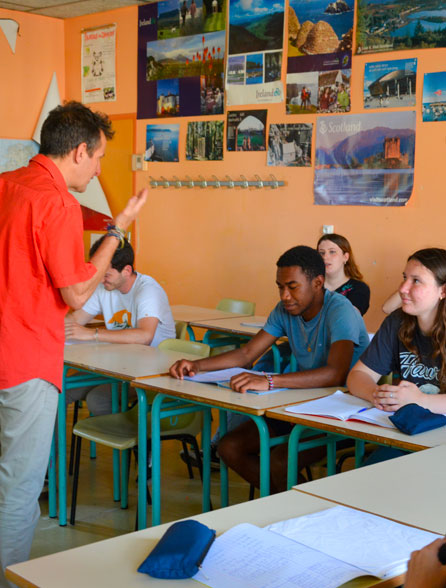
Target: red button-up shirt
x=41, y=250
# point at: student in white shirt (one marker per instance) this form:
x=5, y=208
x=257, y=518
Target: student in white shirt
x=135, y=310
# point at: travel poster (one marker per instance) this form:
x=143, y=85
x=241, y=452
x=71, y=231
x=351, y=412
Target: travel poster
x=180, y=74
x=325, y=87
x=204, y=141
x=434, y=97
x=254, y=68
x=246, y=130
x=162, y=142
x=394, y=25
x=320, y=36
x=365, y=159
x=390, y=84
x=98, y=64
x=290, y=145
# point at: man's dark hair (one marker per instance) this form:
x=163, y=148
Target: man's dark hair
x=123, y=256
x=69, y=125
x=307, y=258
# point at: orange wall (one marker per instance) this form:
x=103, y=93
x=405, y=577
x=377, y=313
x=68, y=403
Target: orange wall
x=26, y=75
x=203, y=244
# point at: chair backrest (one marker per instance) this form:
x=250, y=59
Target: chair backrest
x=184, y=346
x=180, y=329
x=241, y=306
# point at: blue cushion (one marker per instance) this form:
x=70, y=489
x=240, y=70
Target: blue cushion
x=179, y=552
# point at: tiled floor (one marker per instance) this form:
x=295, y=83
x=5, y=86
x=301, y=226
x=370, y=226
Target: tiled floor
x=98, y=517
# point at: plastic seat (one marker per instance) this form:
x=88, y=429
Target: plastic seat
x=216, y=339
x=180, y=329
x=120, y=431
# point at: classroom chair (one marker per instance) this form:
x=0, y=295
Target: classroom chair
x=215, y=339
x=120, y=431
x=180, y=329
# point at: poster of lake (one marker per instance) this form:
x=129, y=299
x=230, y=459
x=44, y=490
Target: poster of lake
x=181, y=74
x=255, y=52
x=394, y=25
x=434, y=97
x=365, y=159
x=162, y=143
x=390, y=84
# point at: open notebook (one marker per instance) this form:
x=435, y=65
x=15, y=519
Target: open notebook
x=222, y=378
x=344, y=407
x=320, y=550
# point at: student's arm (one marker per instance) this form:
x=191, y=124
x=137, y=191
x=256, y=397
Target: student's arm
x=332, y=374
x=392, y=303
x=142, y=334
x=79, y=316
x=362, y=380
x=425, y=569
x=243, y=357
x=76, y=295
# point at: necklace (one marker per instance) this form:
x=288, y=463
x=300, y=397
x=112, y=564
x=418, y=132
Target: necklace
x=309, y=344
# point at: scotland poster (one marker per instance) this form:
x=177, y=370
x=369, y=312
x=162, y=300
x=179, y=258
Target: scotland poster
x=390, y=84
x=255, y=52
x=393, y=25
x=365, y=159
x=181, y=52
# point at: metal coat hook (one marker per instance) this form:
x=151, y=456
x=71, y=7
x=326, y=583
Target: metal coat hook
x=203, y=184
x=275, y=183
x=166, y=183
x=189, y=183
x=177, y=182
x=230, y=182
x=153, y=182
x=217, y=182
x=244, y=183
x=259, y=183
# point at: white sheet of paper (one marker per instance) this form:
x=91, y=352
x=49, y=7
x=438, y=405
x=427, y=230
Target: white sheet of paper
x=339, y=404
x=378, y=545
x=249, y=557
x=218, y=375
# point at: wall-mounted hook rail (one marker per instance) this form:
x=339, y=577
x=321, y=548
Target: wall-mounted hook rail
x=214, y=182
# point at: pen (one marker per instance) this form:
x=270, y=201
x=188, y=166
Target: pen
x=363, y=409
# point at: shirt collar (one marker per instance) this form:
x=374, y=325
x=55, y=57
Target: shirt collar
x=49, y=165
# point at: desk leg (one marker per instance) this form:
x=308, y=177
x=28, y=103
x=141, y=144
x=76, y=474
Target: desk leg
x=206, y=444
x=52, y=485
x=359, y=452
x=264, y=454
x=125, y=453
x=331, y=455
x=224, y=486
x=142, y=459
x=116, y=452
x=62, y=455
x=156, y=459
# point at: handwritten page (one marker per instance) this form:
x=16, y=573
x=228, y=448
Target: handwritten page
x=372, y=543
x=249, y=557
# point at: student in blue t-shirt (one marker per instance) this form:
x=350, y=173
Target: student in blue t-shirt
x=326, y=334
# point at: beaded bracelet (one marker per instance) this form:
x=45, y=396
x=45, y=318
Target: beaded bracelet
x=114, y=231
x=96, y=335
x=270, y=381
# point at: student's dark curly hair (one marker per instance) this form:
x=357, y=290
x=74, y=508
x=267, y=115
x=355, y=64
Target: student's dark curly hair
x=433, y=259
x=307, y=258
x=67, y=126
x=123, y=256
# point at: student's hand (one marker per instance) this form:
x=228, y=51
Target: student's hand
x=424, y=569
x=182, y=368
x=125, y=218
x=391, y=398
x=245, y=381
x=75, y=331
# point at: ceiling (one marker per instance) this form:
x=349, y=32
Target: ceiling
x=67, y=8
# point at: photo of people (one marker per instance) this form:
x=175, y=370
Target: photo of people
x=389, y=84
x=302, y=93
x=204, y=141
x=290, y=145
x=273, y=66
x=212, y=95
x=334, y=91
x=190, y=17
x=246, y=130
